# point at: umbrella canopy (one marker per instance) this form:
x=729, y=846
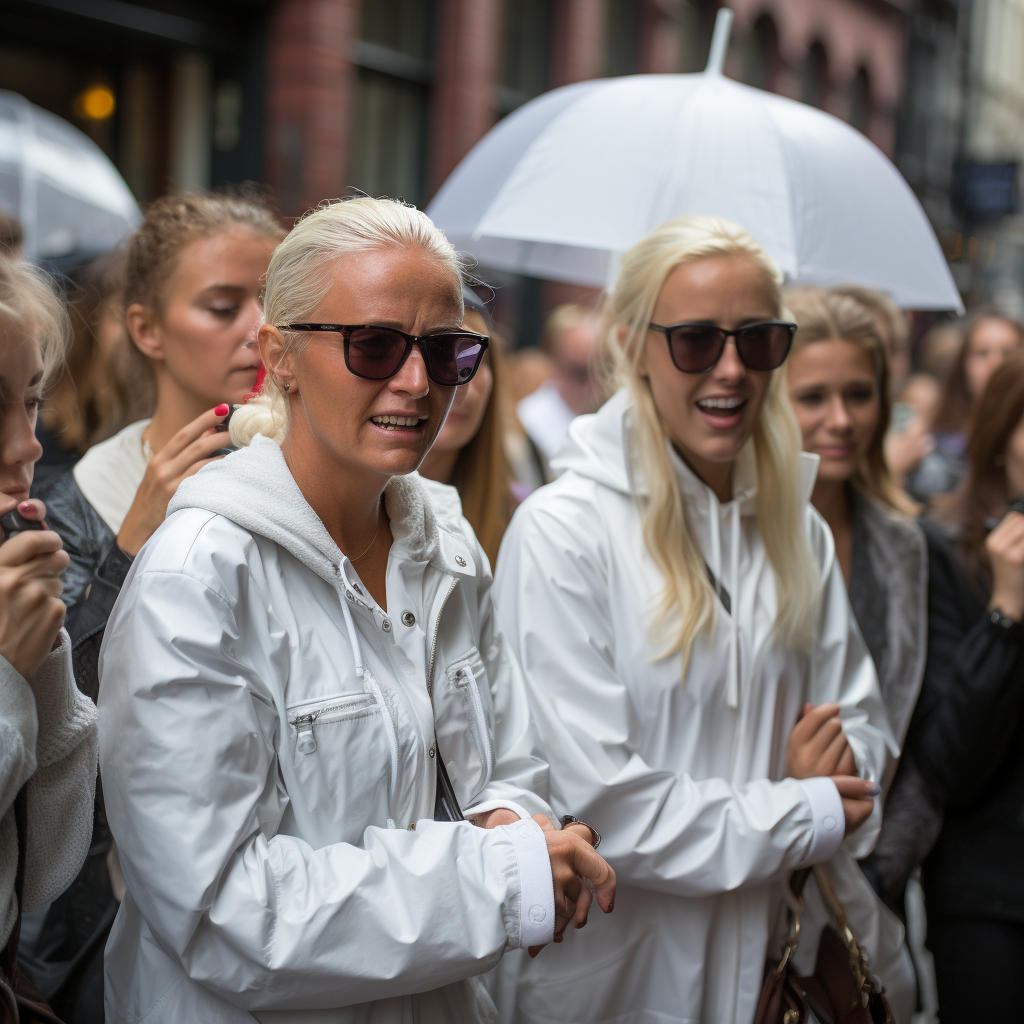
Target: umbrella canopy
x=570, y=181
x=59, y=184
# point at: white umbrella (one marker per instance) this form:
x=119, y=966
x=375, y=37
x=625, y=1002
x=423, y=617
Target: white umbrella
x=568, y=182
x=59, y=184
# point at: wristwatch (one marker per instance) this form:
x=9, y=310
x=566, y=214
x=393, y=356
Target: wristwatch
x=569, y=819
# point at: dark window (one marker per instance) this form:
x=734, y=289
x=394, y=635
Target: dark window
x=761, y=55
x=526, y=50
x=860, y=100
x=395, y=77
x=622, y=31
x=814, y=76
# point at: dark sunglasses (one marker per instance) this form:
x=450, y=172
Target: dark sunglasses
x=377, y=353
x=696, y=348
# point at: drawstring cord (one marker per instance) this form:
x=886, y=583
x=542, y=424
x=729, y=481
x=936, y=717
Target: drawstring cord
x=733, y=689
x=732, y=692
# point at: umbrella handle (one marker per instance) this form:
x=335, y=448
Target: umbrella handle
x=719, y=42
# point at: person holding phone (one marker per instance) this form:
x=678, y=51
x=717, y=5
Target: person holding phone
x=304, y=658
x=705, y=697
x=47, y=727
x=191, y=307
x=967, y=735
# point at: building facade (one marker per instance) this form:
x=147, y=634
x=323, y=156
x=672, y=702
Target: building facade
x=319, y=97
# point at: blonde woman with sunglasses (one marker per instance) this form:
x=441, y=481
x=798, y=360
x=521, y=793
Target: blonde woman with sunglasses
x=706, y=699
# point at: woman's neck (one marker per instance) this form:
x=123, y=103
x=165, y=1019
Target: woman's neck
x=440, y=466
x=832, y=499
x=175, y=408
x=348, y=503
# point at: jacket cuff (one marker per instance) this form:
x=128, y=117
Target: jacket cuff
x=493, y=805
x=827, y=816
x=536, y=888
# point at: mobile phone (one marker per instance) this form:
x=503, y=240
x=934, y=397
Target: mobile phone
x=222, y=427
x=14, y=522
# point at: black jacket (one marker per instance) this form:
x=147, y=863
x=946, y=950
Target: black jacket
x=967, y=740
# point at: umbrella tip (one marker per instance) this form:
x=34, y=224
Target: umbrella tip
x=719, y=42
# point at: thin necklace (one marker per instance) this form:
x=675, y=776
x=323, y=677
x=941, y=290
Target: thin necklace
x=372, y=542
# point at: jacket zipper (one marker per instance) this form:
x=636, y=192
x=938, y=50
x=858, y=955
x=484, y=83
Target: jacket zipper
x=481, y=718
x=389, y=725
x=433, y=642
x=305, y=741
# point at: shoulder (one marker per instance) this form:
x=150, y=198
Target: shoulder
x=125, y=445
x=70, y=514
x=199, y=547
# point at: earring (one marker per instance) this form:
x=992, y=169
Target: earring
x=287, y=386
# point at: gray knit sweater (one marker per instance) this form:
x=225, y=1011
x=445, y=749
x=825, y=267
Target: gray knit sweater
x=48, y=738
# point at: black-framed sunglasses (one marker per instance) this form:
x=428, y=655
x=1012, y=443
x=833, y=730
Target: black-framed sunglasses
x=377, y=353
x=696, y=348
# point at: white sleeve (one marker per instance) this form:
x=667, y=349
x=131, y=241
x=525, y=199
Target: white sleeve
x=661, y=831
x=194, y=799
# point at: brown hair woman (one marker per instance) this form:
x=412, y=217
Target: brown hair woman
x=469, y=452
x=968, y=732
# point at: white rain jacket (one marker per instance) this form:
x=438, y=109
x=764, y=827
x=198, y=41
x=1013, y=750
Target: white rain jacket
x=268, y=767
x=684, y=779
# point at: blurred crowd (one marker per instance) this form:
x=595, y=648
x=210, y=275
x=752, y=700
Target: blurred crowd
x=917, y=425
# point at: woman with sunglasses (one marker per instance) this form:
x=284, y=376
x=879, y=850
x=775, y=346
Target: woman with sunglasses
x=302, y=681
x=677, y=604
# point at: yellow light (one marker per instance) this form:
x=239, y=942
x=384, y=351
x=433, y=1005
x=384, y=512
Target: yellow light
x=95, y=103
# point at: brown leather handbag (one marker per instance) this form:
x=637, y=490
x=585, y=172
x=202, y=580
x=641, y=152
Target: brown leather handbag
x=28, y=1006
x=841, y=990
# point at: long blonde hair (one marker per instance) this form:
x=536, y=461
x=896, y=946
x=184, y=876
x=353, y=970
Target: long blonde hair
x=299, y=276
x=688, y=601
x=838, y=313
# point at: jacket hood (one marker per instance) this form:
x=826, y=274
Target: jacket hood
x=599, y=448
x=255, y=489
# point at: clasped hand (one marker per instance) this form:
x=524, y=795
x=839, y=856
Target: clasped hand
x=579, y=873
x=818, y=746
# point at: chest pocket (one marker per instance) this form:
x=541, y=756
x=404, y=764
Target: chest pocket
x=343, y=756
x=465, y=725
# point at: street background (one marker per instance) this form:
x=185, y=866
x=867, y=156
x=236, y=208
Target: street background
x=315, y=97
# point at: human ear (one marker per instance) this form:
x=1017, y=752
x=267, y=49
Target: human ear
x=144, y=329
x=276, y=358
x=641, y=359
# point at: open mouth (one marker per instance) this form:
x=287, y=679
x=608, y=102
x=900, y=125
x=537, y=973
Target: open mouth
x=725, y=407
x=398, y=422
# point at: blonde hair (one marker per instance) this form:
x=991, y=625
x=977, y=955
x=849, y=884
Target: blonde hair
x=839, y=314
x=688, y=598
x=299, y=277
x=29, y=306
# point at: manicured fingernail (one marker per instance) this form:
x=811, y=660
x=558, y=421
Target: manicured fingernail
x=26, y=507
x=221, y=410
x=874, y=789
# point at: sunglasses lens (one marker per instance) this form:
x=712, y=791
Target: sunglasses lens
x=695, y=348
x=375, y=352
x=453, y=358
x=763, y=346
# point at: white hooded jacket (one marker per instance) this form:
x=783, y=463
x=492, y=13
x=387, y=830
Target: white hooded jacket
x=685, y=779
x=267, y=752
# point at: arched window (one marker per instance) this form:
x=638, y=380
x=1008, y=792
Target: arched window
x=860, y=100
x=761, y=59
x=814, y=76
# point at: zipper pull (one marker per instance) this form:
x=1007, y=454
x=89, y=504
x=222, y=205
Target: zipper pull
x=305, y=742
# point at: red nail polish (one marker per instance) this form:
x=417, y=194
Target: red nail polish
x=221, y=410
x=26, y=506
